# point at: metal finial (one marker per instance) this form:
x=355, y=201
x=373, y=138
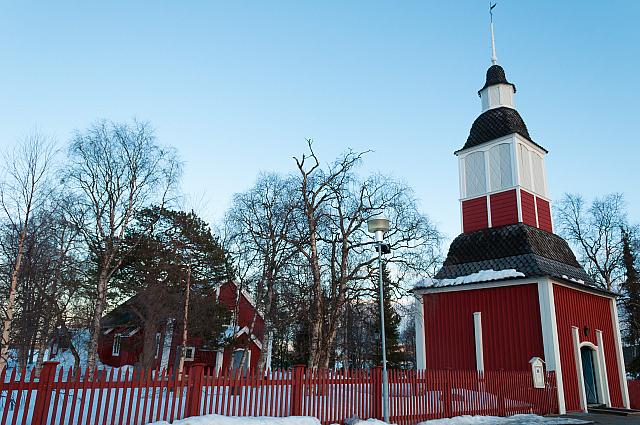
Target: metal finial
x=494, y=58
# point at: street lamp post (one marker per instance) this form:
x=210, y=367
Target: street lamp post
x=379, y=226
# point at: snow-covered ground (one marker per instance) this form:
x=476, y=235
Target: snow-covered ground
x=234, y=420
x=300, y=420
x=511, y=420
x=65, y=358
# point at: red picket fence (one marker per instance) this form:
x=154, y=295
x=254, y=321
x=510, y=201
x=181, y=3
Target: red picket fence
x=142, y=396
x=634, y=393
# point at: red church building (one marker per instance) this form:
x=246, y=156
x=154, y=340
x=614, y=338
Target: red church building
x=510, y=289
x=122, y=335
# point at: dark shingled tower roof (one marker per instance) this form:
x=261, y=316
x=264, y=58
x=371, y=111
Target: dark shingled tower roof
x=495, y=123
x=496, y=75
x=531, y=251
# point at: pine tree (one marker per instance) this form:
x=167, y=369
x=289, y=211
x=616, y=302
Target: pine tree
x=631, y=302
x=391, y=321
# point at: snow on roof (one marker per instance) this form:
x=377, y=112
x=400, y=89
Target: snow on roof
x=564, y=276
x=481, y=276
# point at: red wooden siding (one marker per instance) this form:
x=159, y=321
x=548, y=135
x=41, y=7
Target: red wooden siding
x=544, y=215
x=504, y=208
x=527, y=202
x=474, y=214
x=511, y=328
x=131, y=347
x=581, y=309
x=246, y=310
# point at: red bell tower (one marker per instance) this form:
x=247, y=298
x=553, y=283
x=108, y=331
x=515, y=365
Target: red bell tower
x=502, y=173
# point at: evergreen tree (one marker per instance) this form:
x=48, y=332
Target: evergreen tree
x=181, y=247
x=631, y=302
x=391, y=321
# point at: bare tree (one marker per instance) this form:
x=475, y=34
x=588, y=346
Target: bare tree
x=596, y=231
x=335, y=205
x=114, y=170
x=24, y=189
x=257, y=224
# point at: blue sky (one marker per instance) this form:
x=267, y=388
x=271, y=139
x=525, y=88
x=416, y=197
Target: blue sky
x=236, y=87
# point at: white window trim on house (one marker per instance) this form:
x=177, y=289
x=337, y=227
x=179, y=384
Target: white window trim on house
x=247, y=359
x=117, y=343
x=189, y=353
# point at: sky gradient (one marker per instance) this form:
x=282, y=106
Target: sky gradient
x=237, y=87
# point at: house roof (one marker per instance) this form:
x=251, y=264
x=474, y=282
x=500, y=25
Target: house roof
x=496, y=75
x=124, y=314
x=523, y=248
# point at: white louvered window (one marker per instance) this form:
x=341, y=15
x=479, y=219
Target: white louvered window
x=500, y=174
x=538, y=174
x=475, y=175
x=525, y=168
x=506, y=95
x=494, y=96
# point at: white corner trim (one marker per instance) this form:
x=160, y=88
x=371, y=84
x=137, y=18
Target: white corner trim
x=421, y=353
x=488, y=210
x=477, y=327
x=603, y=369
x=519, y=203
x=549, y=325
x=622, y=373
x=575, y=336
x=535, y=209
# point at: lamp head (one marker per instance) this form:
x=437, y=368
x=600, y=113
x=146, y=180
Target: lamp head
x=378, y=225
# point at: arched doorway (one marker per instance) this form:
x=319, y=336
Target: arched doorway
x=589, y=374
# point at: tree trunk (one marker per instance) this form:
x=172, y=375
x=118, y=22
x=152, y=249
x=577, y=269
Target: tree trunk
x=317, y=318
x=268, y=328
x=6, y=325
x=149, y=346
x=185, y=321
x=101, y=302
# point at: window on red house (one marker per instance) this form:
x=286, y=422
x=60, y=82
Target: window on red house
x=115, y=349
x=158, y=336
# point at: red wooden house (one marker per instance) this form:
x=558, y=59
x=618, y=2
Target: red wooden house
x=122, y=335
x=510, y=289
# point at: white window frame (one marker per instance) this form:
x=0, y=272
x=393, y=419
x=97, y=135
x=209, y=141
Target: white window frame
x=189, y=349
x=247, y=358
x=117, y=344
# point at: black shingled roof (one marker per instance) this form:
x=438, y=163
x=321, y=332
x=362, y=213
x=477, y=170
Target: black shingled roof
x=531, y=251
x=495, y=123
x=496, y=75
